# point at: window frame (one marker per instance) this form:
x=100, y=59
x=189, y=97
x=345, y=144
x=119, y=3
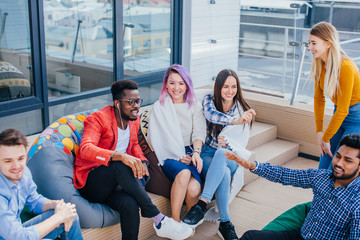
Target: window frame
x=38, y=60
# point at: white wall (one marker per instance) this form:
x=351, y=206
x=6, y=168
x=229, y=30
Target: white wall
x=203, y=22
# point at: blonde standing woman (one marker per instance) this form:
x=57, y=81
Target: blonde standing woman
x=337, y=77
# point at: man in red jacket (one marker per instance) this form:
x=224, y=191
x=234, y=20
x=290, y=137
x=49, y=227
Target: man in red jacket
x=110, y=164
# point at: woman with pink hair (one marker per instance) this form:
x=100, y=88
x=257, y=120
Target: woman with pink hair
x=177, y=131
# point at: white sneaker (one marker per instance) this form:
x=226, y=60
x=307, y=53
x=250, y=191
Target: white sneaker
x=173, y=229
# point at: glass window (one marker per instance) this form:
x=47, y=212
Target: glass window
x=136, y=45
x=61, y=110
x=145, y=21
x=265, y=32
x=150, y=94
x=274, y=36
x=26, y=122
x=16, y=79
x=158, y=42
x=146, y=43
x=88, y=26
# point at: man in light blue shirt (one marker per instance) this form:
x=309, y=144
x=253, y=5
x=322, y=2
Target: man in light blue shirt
x=17, y=189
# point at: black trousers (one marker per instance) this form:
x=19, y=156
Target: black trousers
x=271, y=235
x=102, y=186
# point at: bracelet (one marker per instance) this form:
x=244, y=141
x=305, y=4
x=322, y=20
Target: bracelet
x=111, y=157
x=198, y=152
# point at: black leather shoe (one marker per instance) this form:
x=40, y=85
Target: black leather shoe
x=227, y=231
x=194, y=217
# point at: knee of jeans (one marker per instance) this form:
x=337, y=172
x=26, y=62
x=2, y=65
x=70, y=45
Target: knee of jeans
x=220, y=154
x=76, y=220
x=227, y=175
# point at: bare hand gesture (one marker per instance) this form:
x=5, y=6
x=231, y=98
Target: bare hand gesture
x=245, y=117
x=146, y=170
x=186, y=159
x=134, y=163
x=66, y=212
x=244, y=163
x=197, y=161
x=222, y=142
x=325, y=148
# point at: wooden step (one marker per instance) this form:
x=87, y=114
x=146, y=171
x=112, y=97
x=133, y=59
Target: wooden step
x=261, y=133
x=146, y=224
x=276, y=152
x=259, y=203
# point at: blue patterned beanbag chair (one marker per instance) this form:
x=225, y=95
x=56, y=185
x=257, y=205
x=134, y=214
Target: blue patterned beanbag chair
x=51, y=161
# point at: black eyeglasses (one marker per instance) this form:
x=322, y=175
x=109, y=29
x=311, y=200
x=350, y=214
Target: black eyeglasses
x=132, y=101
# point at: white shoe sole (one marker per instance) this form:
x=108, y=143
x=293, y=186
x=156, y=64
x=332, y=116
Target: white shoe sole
x=195, y=225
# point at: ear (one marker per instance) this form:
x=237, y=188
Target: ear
x=328, y=45
x=116, y=103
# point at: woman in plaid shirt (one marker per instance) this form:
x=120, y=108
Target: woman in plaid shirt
x=225, y=107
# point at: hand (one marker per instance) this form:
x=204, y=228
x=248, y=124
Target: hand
x=186, y=160
x=146, y=170
x=197, y=161
x=246, y=117
x=325, y=148
x=244, y=163
x=319, y=140
x=66, y=213
x=68, y=225
x=55, y=202
x=134, y=163
x=222, y=142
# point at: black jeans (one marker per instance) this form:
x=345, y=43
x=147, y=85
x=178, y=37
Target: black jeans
x=102, y=186
x=271, y=235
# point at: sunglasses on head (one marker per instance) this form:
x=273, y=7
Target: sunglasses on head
x=132, y=101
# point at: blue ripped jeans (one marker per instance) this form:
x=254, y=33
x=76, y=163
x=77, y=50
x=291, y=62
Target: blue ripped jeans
x=218, y=171
x=351, y=124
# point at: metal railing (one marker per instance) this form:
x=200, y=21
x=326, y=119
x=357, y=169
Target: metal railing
x=294, y=56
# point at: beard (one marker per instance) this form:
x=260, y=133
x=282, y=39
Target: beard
x=345, y=176
x=127, y=117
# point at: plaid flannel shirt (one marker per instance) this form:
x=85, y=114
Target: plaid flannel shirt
x=334, y=213
x=99, y=142
x=214, y=116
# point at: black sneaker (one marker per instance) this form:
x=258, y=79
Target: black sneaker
x=227, y=231
x=195, y=216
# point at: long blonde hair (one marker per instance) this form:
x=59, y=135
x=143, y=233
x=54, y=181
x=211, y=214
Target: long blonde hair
x=328, y=33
